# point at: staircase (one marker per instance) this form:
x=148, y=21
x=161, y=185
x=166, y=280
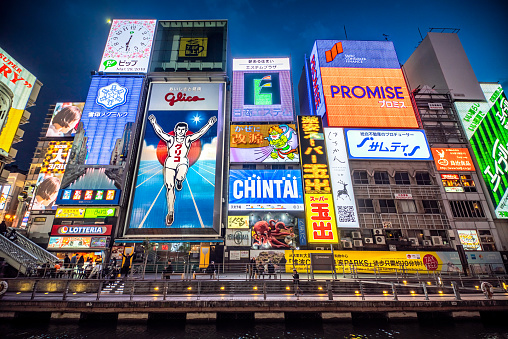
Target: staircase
x=115, y=287
x=23, y=254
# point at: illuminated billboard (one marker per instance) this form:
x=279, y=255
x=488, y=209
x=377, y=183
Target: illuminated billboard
x=88, y=197
x=74, y=243
x=5, y=194
x=16, y=85
x=470, y=240
x=238, y=221
x=489, y=143
x=88, y=213
x=177, y=178
x=387, y=144
x=340, y=175
x=452, y=159
x=128, y=46
x=65, y=119
x=265, y=190
x=81, y=230
x=262, y=90
x=319, y=207
x=263, y=143
x=51, y=174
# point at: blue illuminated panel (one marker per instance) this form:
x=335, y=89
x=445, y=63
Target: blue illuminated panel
x=112, y=102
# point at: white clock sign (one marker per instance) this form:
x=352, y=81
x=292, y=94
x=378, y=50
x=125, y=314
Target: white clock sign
x=128, y=47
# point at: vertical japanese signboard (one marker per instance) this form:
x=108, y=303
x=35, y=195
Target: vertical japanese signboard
x=488, y=135
x=319, y=207
x=342, y=186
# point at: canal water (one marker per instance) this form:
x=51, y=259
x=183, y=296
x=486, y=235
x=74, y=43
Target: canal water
x=235, y=329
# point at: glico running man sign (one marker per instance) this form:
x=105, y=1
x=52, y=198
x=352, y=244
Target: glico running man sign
x=177, y=178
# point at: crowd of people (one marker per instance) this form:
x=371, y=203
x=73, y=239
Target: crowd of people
x=79, y=267
x=259, y=268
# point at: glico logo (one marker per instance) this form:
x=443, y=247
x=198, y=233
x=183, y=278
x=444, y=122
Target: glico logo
x=334, y=51
x=112, y=96
x=171, y=98
x=360, y=92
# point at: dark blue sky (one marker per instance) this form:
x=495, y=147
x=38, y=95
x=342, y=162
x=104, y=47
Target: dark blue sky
x=62, y=41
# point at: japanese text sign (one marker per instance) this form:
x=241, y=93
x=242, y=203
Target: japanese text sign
x=470, y=240
x=264, y=143
x=56, y=158
x=388, y=144
x=238, y=221
x=320, y=219
x=452, y=159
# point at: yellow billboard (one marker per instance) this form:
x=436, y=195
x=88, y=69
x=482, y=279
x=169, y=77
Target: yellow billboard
x=70, y=213
x=238, y=221
x=320, y=219
x=193, y=47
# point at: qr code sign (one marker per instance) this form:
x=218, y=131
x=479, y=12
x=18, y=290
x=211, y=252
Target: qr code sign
x=345, y=214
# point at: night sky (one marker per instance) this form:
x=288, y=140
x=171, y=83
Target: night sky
x=60, y=42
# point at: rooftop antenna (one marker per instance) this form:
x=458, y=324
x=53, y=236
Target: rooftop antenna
x=345, y=32
x=386, y=36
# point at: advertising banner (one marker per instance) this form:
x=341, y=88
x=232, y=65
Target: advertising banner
x=317, y=84
x=237, y=237
x=319, y=206
x=453, y=159
x=390, y=261
x=64, y=212
x=238, y=221
x=470, y=240
x=81, y=230
x=65, y=119
x=342, y=186
x=262, y=90
x=71, y=243
x=387, y=144
x=16, y=85
x=88, y=197
x=5, y=194
x=128, y=47
x=51, y=174
x=265, y=190
x=176, y=179
x=264, y=143
x=490, y=147
x=273, y=231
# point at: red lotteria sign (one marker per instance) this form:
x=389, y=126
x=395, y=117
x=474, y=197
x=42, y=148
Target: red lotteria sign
x=81, y=230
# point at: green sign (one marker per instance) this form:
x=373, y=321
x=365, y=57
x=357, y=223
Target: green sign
x=490, y=147
x=100, y=212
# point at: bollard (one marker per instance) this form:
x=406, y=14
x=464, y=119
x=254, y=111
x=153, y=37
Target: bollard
x=425, y=291
x=165, y=291
x=264, y=291
x=456, y=291
x=329, y=288
x=99, y=290
x=64, y=297
x=394, y=291
x=361, y=291
x=132, y=289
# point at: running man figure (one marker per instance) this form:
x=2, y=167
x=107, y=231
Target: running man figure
x=176, y=164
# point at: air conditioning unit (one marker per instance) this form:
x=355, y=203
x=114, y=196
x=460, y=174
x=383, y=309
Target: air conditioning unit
x=380, y=240
x=437, y=241
x=378, y=231
x=426, y=233
x=451, y=234
x=368, y=240
x=356, y=235
x=427, y=243
x=357, y=243
x=347, y=244
x=414, y=241
x=387, y=224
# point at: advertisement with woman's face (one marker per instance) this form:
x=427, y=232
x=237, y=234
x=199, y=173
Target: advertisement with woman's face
x=65, y=119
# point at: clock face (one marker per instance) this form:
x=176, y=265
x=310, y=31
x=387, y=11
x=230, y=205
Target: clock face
x=130, y=38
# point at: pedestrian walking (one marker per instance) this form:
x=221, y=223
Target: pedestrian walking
x=487, y=289
x=296, y=282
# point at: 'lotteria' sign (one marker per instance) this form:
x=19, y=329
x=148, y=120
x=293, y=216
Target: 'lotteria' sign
x=81, y=230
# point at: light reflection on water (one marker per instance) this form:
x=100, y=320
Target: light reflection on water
x=244, y=330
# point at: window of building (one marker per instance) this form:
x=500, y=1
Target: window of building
x=381, y=178
x=249, y=166
x=387, y=206
x=466, y=209
x=360, y=177
x=423, y=178
x=407, y=206
x=456, y=183
x=431, y=206
x=402, y=178
x=365, y=206
x=279, y=167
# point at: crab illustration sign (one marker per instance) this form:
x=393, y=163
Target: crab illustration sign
x=393, y=144
x=264, y=143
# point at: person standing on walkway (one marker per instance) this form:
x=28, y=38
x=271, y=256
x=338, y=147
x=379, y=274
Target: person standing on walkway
x=66, y=261
x=126, y=267
x=296, y=282
x=252, y=268
x=168, y=270
x=487, y=289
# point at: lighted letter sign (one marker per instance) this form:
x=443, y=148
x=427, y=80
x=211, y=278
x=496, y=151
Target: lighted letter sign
x=262, y=90
x=264, y=143
x=128, y=46
x=81, y=230
x=343, y=195
x=238, y=221
x=265, y=190
x=470, y=240
x=452, y=159
x=387, y=144
x=319, y=207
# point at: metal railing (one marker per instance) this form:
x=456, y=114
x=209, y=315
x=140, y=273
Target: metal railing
x=17, y=256
x=41, y=254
